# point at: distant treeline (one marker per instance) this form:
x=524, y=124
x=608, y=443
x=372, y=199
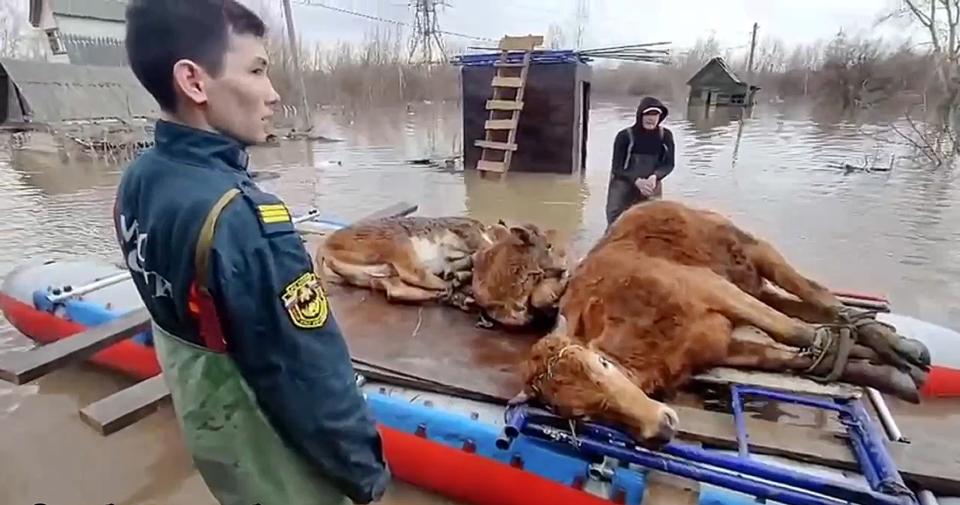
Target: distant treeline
x=846, y=72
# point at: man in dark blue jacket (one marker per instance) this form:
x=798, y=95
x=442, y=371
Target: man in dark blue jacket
x=259, y=373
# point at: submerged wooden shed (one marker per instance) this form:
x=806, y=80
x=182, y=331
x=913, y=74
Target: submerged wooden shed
x=550, y=135
x=717, y=84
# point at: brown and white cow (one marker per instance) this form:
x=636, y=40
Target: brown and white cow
x=507, y=272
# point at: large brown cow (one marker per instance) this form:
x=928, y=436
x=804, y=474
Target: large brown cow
x=657, y=300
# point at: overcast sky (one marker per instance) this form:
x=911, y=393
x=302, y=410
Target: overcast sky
x=615, y=22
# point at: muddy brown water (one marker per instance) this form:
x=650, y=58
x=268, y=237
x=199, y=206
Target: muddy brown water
x=894, y=232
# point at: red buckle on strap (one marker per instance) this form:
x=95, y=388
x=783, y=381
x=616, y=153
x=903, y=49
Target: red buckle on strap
x=203, y=309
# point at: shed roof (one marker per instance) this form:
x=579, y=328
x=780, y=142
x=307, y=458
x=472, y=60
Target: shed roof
x=57, y=92
x=109, y=10
x=724, y=68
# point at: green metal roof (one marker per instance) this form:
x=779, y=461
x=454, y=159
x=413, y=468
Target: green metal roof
x=109, y=10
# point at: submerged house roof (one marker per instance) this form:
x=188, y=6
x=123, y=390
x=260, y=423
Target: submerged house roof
x=44, y=92
x=716, y=72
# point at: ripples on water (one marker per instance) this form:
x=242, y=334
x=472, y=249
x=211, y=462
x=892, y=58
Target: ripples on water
x=893, y=233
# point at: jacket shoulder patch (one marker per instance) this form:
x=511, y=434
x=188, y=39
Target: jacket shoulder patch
x=272, y=214
x=305, y=302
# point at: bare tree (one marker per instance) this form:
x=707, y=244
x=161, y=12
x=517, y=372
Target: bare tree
x=703, y=50
x=555, y=37
x=940, y=19
x=12, y=30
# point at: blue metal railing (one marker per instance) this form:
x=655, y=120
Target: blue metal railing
x=736, y=472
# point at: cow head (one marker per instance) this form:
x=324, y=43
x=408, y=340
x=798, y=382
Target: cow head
x=514, y=265
x=577, y=380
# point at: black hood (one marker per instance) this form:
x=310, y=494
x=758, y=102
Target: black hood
x=648, y=102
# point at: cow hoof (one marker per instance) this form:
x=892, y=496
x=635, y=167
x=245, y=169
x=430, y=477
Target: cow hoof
x=918, y=375
x=902, y=386
x=913, y=350
x=885, y=378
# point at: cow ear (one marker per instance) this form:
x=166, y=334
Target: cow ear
x=497, y=232
x=523, y=234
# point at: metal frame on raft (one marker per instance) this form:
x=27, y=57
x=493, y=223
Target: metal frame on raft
x=740, y=472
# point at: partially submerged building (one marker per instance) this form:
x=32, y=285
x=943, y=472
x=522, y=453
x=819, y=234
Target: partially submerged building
x=87, y=78
x=82, y=32
x=61, y=93
x=554, y=105
x=717, y=84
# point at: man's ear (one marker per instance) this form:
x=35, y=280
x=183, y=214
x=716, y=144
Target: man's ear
x=189, y=80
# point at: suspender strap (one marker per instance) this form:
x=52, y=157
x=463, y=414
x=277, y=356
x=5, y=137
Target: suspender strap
x=211, y=332
x=205, y=242
x=626, y=160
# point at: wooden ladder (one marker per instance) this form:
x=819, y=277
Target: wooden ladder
x=500, y=141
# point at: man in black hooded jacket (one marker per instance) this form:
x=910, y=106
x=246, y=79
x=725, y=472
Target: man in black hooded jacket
x=643, y=155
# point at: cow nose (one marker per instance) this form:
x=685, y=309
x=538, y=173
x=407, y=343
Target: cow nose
x=669, y=424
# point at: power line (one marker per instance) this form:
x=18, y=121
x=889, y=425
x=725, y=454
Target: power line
x=312, y=3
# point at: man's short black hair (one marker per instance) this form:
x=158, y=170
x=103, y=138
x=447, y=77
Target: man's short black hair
x=161, y=32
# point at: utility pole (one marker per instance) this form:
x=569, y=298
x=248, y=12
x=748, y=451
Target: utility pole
x=306, y=120
x=753, y=46
x=583, y=17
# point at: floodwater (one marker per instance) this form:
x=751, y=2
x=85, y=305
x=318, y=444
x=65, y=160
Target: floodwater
x=892, y=232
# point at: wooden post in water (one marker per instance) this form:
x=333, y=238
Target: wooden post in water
x=753, y=47
x=306, y=121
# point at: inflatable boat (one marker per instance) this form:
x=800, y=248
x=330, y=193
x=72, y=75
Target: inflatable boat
x=438, y=387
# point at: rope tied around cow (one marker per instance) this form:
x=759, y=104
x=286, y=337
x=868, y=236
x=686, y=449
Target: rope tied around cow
x=547, y=373
x=830, y=352
x=834, y=343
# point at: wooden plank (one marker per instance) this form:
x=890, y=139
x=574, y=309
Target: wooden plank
x=125, y=407
x=398, y=209
x=525, y=43
x=490, y=166
x=504, y=105
x=128, y=406
x=778, y=381
x=662, y=488
x=23, y=367
x=503, y=64
x=507, y=82
x=500, y=124
x=500, y=146
x=934, y=468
